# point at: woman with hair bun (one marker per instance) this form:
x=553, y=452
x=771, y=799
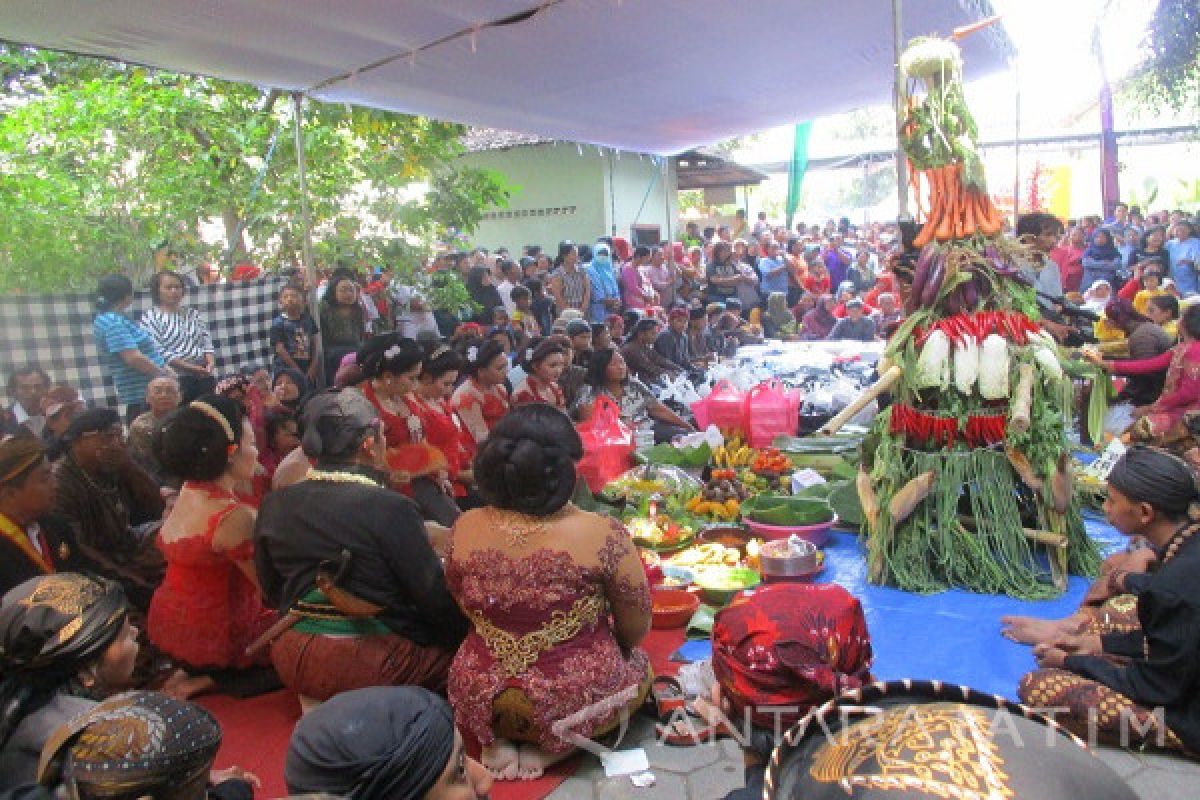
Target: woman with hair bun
x=391, y=365
x=430, y=401
x=544, y=365
x=482, y=400
x=532, y=567
x=207, y=610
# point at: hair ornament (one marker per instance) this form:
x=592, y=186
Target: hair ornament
x=472, y=353
x=392, y=351
x=439, y=352
x=529, y=354
x=216, y=416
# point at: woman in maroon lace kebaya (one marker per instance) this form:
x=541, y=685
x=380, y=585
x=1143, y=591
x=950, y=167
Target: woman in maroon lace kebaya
x=557, y=601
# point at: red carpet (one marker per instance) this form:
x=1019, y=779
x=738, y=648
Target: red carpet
x=256, y=732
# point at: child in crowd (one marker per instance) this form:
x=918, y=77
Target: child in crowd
x=294, y=335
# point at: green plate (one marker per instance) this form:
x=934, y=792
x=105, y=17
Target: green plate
x=706, y=577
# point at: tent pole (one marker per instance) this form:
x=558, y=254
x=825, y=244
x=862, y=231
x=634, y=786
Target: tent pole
x=666, y=175
x=901, y=159
x=310, y=264
x=1016, y=141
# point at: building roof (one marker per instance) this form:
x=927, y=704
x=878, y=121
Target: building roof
x=482, y=140
x=704, y=168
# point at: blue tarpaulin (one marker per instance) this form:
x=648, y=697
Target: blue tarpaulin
x=952, y=636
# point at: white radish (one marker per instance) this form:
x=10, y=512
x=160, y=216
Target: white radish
x=933, y=365
x=1047, y=361
x=966, y=364
x=993, y=368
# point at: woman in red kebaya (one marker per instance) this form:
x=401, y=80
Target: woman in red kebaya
x=544, y=364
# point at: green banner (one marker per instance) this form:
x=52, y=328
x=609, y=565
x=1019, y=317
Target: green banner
x=797, y=168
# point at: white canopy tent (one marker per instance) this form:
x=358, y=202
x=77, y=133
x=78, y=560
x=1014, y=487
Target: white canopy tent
x=653, y=76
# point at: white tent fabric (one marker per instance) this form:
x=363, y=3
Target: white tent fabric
x=655, y=76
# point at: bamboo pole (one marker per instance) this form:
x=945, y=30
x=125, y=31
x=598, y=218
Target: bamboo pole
x=885, y=383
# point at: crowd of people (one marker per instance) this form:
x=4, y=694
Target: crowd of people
x=388, y=502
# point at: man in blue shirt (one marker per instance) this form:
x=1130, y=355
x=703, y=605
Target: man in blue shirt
x=773, y=271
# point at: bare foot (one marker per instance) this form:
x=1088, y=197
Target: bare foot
x=501, y=758
x=183, y=686
x=534, y=761
x=1030, y=630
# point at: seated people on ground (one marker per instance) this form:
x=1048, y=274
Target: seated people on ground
x=391, y=366
x=531, y=567
x=113, y=506
x=482, y=399
x=703, y=342
x=544, y=365
x=1162, y=421
x=813, y=645
x=672, y=344
x=818, y=323
x=855, y=325
x=162, y=397
x=608, y=376
x=65, y=643
x=1141, y=685
x=33, y=541
x=207, y=610
x=645, y=362
x=142, y=744
x=384, y=743
x=430, y=401
x=352, y=559
x=921, y=740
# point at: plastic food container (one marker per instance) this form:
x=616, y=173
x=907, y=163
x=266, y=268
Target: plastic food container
x=790, y=559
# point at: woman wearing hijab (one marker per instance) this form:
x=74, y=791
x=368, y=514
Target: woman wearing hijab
x=383, y=743
x=1101, y=260
x=382, y=615
x=817, y=323
x=1143, y=683
x=142, y=744
x=113, y=505
x=605, y=297
x=32, y=540
x=1184, y=250
x=65, y=643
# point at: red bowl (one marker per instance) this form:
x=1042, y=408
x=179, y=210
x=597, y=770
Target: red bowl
x=672, y=608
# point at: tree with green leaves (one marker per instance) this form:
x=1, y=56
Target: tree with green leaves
x=103, y=162
x=1170, y=74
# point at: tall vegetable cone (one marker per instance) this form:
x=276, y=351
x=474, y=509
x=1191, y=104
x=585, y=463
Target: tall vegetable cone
x=973, y=450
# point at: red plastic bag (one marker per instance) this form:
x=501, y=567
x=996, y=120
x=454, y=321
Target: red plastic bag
x=608, y=445
x=771, y=410
x=724, y=407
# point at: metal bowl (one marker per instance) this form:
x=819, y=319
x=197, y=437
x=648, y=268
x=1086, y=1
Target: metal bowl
x=789, y=558
x=733, y=536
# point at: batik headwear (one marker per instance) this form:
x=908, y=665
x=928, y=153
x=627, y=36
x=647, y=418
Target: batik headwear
x=19, y=455
x=1149, y=475
x=334, y=421
x=791, y=646
x=926, y=739
x=91, y=421
x=51, y=627
x=382, y=743
x=132, y=745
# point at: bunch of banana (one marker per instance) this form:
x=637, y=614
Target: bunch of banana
x=733, y=455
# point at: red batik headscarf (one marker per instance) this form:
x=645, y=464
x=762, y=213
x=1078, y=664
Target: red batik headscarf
x=790, y=645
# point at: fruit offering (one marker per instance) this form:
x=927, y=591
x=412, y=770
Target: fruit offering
x=721, y=497
x=707, y=554
x=771, y=462
x=734, y=453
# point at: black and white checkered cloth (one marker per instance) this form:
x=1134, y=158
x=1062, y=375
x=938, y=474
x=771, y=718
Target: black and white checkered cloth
x=55, y=332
